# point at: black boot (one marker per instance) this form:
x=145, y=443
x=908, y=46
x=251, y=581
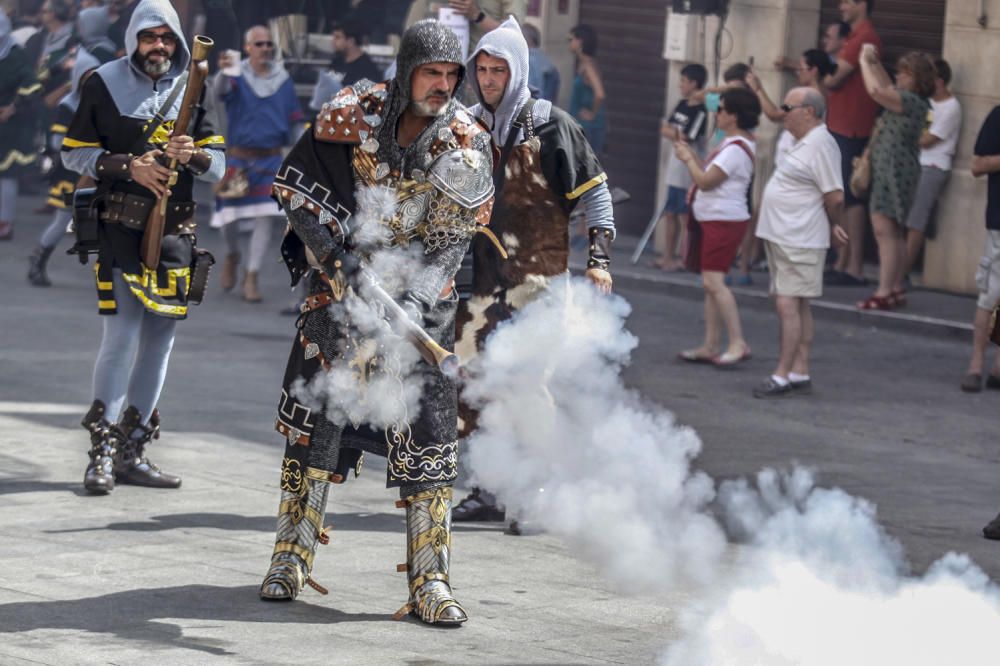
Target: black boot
x=99, y=478
x=131, y=465
x=36, y=266
x=478, y=506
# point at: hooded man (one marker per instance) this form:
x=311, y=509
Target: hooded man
x=546, y=169
x=17, y=150
x=422, y=168
x=142, y=304
x=263, y=117
x=92, y=26
x=63, y=180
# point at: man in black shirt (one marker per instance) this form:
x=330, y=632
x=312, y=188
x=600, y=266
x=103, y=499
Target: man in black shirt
x=986, y=162
x=351, y=63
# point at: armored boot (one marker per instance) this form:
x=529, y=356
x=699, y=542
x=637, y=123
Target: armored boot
x=36, y=266
x=300, y=527
x=131, y=465
x=428, y=551
x=105, y=439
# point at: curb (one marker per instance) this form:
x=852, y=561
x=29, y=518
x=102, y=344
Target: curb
x=825, y=309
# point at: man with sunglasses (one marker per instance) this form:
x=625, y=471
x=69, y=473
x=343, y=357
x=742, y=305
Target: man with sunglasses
x=263, y=117
x=802, y=203
x=109, y=140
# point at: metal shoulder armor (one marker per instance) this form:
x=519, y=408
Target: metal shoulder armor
x=463, y=175
x=352, y=114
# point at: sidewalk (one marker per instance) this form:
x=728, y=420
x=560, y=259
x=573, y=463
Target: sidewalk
x=927, y=312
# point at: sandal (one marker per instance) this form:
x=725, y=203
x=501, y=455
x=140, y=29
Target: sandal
x=692, y=356
x=874, y=302
x=898, y=298
x=728, y=360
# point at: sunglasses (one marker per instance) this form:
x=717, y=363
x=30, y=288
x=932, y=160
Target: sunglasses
x=788, y=108
x=150, y=38
x=264, y=45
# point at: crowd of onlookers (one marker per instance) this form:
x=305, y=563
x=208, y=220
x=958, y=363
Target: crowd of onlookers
x=857, y=146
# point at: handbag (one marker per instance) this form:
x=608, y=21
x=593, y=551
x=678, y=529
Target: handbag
x=861, y=169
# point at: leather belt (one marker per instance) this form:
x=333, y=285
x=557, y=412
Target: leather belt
x=323, y=299
x=242, y=153
x=132, y=211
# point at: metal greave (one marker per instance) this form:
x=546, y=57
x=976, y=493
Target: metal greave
x=300, y=526
x=428, y=553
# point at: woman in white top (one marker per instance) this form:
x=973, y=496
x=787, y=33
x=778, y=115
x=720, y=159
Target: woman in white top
x=720, y=211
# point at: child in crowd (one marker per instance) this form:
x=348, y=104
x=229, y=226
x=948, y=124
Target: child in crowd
x=686, y=123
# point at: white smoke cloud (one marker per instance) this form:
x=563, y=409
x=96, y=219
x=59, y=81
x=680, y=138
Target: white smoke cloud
x=567, y=446
x=564, y=444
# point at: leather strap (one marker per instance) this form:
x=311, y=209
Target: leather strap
x=524, y=118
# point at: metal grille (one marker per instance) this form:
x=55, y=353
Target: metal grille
x=630, y=38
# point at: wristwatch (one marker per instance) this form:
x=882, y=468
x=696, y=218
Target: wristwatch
x=479, y=19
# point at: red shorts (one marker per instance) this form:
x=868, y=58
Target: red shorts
x=720, y=241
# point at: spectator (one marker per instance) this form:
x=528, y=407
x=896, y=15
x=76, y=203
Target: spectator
x=687, y=123
x=263, y=117
x=831, y=43
x=850, y=117
x=718, y=221
x=350, y=61
x=587, y=101
x=833, y=39
x=483, y=15
x=120, y=13
x=543, y=76
x=813, y=66
x=986, y=161
x=937, y=148
x=802, y=200
x=895, y=163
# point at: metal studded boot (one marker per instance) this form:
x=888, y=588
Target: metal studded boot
x=300, y=527
x=99, y=478
x=131, y=464
x=428, y=551
x=36, y=266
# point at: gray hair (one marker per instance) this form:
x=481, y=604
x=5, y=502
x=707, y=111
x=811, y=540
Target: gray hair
x=814, y=100
x=246, y=35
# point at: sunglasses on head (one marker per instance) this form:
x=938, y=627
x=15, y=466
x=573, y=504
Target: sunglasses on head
x=262, y=45
x=148, y=38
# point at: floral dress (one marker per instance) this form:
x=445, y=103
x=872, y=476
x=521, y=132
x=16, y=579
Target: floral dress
x=896, y=157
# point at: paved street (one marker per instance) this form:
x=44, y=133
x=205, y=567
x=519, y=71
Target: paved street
x=171, y=576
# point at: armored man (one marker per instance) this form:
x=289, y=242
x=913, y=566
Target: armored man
x=398, y=168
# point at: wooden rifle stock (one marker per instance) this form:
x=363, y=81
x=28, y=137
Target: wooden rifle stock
x=152, y=238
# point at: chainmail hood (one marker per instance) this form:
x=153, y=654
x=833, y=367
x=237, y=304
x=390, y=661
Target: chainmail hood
x=506, y=43
x=425, y=42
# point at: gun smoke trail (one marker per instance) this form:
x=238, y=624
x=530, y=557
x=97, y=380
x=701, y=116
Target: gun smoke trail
x=566, y=445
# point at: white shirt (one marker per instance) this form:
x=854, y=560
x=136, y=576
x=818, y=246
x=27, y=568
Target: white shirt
x=728, y=201
x=791, y=211
x=945, y=125
x=785, y=143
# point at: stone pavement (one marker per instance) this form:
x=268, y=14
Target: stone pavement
x=171, y=577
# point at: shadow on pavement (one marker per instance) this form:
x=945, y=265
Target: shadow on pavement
x=135, y=615
x=342, y=522
x=32, y=486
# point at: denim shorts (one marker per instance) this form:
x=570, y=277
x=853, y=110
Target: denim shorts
x=676, y=201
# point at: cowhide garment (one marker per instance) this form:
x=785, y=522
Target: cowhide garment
x=533, y=227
